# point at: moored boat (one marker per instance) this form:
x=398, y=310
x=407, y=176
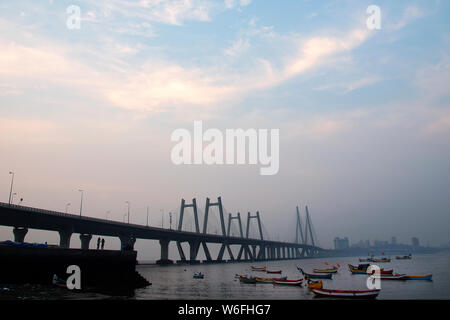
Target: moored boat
x=268, y=280
x=273, y=271
x=363, y=270
x=404, y=257
x=315, y=284
x=297, y=282
x=329, y=270
x=426, y=277
x=258, y=268
x=393, y=277
x=199, y=275
x=381, y=260
x=248, y=280
x=353, y=294
x=315, y=276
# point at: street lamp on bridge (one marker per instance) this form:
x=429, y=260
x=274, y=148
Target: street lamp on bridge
x=12, y=182
x=128, y=203
x=81, y=203
x=67, y=207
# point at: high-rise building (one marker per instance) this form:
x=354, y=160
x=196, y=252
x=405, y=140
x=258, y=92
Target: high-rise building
x=394, y=241
x=340, y=244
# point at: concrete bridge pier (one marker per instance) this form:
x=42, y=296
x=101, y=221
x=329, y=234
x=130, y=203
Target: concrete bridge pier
x=85, y=240
x=64, y=238
x=19, y=234
x=164, y=252
x=193, y=251
x=127, y=242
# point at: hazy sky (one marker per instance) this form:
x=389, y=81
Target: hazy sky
x=364, y=115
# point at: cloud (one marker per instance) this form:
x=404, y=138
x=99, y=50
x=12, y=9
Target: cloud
x=174, y=12
x=351, y=86
x=230, y=4
x=237, y=47
x=411, y=13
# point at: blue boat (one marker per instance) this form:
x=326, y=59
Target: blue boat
x=315, y=276
x=426, y=277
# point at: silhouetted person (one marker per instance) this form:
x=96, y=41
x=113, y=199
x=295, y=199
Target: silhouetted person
x=103, y=243
x=98, y=243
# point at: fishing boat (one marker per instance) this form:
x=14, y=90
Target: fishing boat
x=258, y=268
x=365, y=259
x=198, y=275
x=315, y=284
x=329, y=270
x=315, y=276
x=273, y=271
x=361, y=267
x=237, y=275
x=268, y=280
x=249, y=280
x=353, y=294
x=381, y=260
x=297, y=282
x=393, y=277
x=363, y=270
x=408, y=257
x=426, y=277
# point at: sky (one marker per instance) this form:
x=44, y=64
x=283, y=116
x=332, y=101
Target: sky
x=363, y=114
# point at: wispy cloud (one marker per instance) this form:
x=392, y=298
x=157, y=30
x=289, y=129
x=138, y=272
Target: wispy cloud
x=410, y=14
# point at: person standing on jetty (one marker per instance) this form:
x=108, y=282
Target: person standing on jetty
x=98, y=243
x=103, y=243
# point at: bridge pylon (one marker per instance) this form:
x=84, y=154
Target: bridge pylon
x=194, y=245
x=218, y=204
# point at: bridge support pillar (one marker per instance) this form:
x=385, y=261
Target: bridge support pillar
x=254, y=251
x=127, y=242
x=64, y=238
x=164, y=252
x=19, y=234
x=85, y=240
x=193, y=251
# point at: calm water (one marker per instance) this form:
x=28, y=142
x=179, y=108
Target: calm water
x=176, y=282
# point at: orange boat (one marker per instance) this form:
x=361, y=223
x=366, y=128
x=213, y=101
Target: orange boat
x=258, y=268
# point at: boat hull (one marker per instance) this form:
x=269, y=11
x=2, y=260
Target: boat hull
x=427, y=277
x=289, y=282
x=346, y=294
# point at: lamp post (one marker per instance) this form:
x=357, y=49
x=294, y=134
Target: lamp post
x=67, y=207
x=107, y=213
x=162, y=218
x=81, y=203
x=128, y=203
x=12, y=182
x=147, y=216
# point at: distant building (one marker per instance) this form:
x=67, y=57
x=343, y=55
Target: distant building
x=379, y=243
x=394, y=241
x=340, y=244
x=415, y=242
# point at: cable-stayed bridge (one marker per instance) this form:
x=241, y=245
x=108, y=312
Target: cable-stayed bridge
x=22, y=218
